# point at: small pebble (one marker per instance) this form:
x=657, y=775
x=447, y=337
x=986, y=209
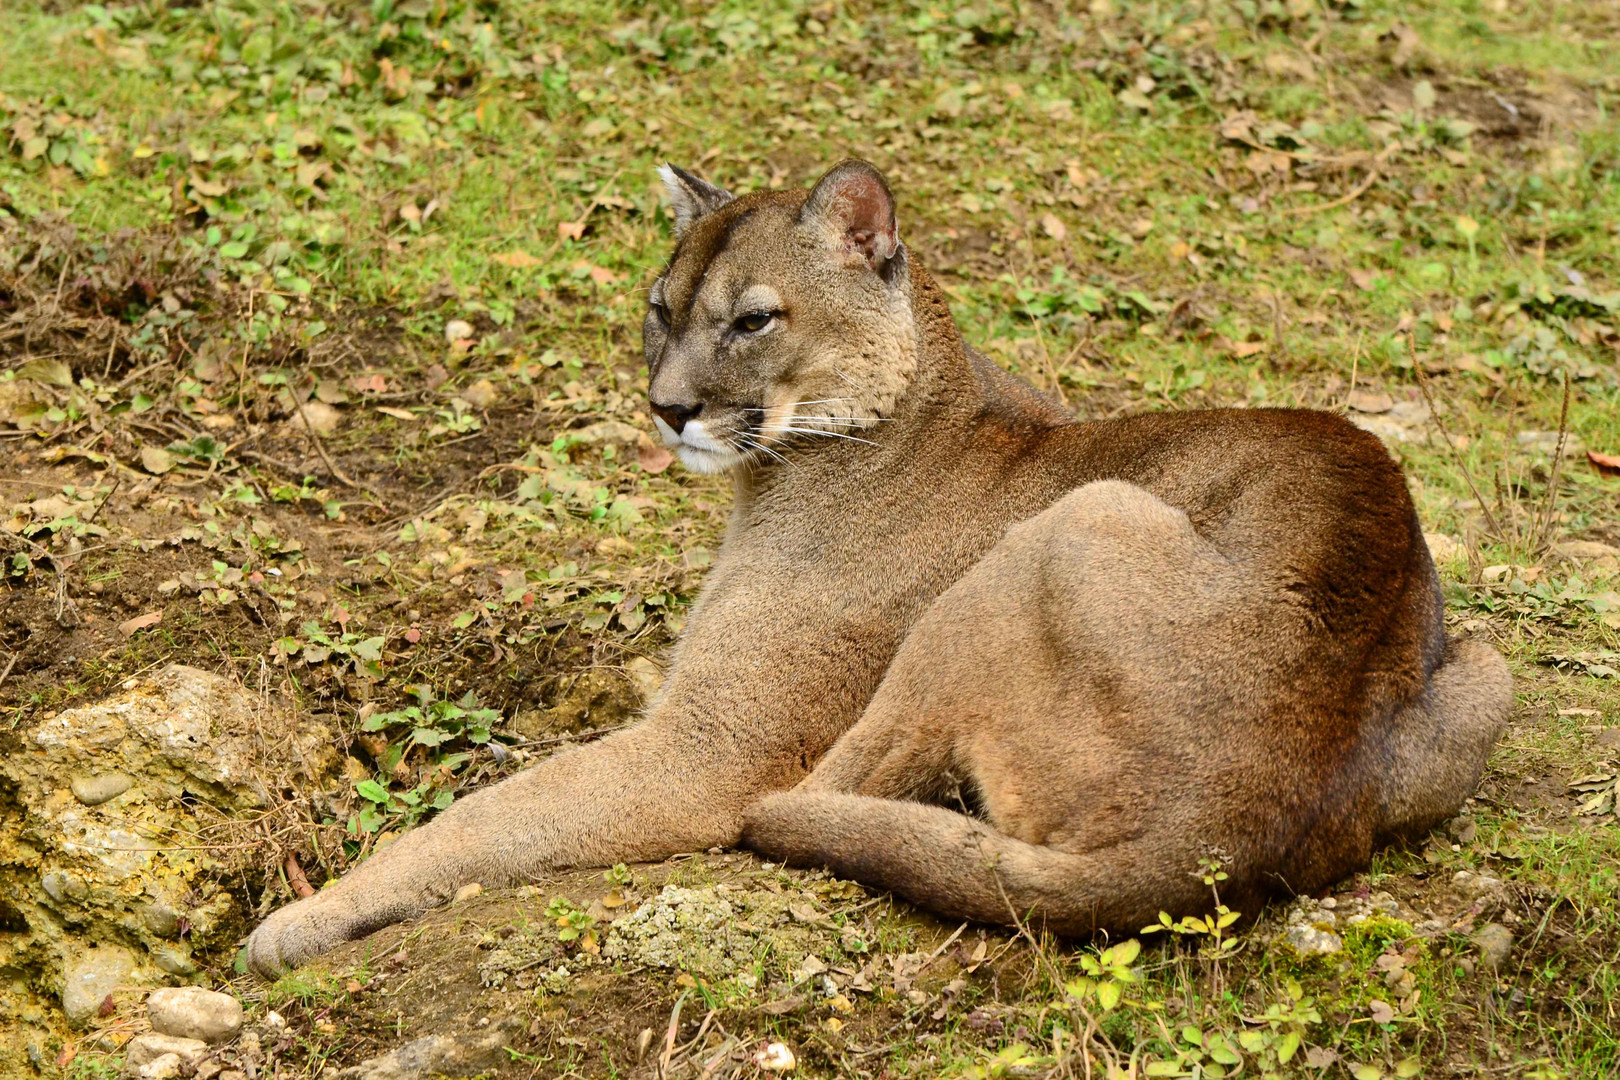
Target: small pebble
x=95, y=790
x=191, y=1012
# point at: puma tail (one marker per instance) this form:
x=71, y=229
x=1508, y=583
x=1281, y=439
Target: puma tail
x=960, y=867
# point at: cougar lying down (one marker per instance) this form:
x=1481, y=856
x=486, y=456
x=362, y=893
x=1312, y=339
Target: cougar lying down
x=960, y=645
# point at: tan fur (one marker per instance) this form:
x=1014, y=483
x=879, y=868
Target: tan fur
x=1116, y=645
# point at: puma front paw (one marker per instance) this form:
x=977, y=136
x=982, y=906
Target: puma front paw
x=301, y=931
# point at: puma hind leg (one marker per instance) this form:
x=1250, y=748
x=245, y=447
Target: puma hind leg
x=1007, y=689
x=1440, y=742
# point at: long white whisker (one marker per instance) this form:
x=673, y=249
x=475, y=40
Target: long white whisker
x=749, y=442
x=829, y=434
x=852, y=421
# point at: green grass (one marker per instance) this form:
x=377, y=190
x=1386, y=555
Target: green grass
x=1144, y=206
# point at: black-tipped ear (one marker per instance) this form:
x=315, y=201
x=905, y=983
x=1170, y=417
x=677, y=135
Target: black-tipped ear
x=691, y=197
x=852, y=206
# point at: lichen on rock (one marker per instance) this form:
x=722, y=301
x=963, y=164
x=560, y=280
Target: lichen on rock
x=724, y=931
x=107, y=879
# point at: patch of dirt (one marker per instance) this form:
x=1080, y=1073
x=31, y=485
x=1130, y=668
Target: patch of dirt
x=1501, y=105
x=728, y=938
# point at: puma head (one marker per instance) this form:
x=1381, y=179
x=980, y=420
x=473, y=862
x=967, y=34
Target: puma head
x=783, y=318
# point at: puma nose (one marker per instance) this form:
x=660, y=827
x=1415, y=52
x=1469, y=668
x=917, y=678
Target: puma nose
x=675, y=415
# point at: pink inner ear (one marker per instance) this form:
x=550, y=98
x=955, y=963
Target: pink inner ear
x=865, y=210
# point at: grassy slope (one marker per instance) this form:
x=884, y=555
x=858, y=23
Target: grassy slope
x=1071, y=180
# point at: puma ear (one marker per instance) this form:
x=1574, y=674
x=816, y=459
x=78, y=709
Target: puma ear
x=691, y=197
x=852, y=206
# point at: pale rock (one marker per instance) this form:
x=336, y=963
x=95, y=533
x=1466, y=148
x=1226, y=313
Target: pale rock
x=92, y=875
x=1444, y=549
x=1406, y=421
x=1546, y=442
x=481, y=394
x=190, y=1012
x=437, y=1055
x=1370, y=401
x=1312, y=941
x=162, y=1067
x=1309, y=928
x=776, y=1057
x=1495, y=944
x=88, y=979
x=1475, y=885
x=647, y=676
x=616, y=432
x=457, y=330
x=323, y=418
x=93, y=790
x=149, y=1047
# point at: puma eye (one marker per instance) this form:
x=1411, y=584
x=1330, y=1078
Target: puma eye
x=755, y=321
x=659, y=312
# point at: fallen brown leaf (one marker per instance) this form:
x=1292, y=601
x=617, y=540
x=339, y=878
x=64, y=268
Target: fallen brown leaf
x=653, y=459
x=397, y=414
x=517, y=260
x=1607, y=464
x=140, y=622
x=571, y=230
x=1053, y=226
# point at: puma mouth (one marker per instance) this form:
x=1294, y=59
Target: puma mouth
x=698, y=449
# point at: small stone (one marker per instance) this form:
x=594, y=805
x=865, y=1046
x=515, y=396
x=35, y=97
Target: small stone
x=1312, y=941
x=143, y=1049
x=481, y=394
x=194, y=1013
x=1370, y=401
x=161, y=919
x=95, y=790
x=647, y=676
x=1444, y=549
x=1546, y=442
x=88, y=980
x=60, y=885
x=433, y=1055
x=457, y=330
x=776, y=1057
x=174, y=961
x=1476, y=885
x=323, y=418
x=160, y=1068
x=1495, y=943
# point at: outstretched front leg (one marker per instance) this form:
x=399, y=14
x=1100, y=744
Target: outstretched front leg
x=643, y=794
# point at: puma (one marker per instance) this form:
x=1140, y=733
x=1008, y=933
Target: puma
x=961, y=645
